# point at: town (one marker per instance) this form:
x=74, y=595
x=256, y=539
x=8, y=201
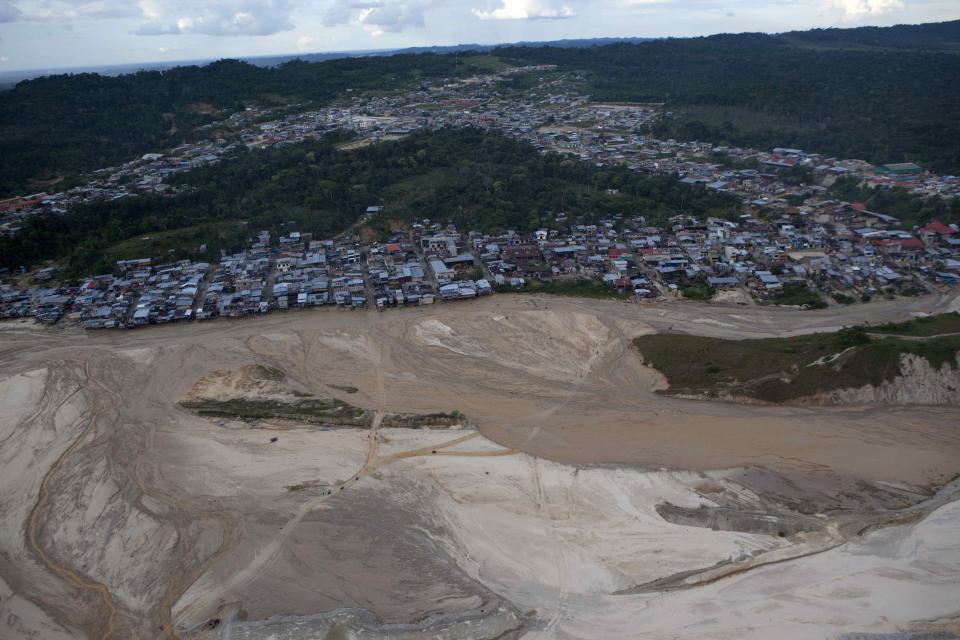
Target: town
x=793, y=243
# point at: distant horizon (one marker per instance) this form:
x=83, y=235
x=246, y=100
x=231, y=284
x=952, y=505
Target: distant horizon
x=17, y=74
x=344, y=52
x=83, y=34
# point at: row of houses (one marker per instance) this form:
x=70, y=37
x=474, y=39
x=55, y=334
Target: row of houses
x=831, y=247
x=841, y=248
x=397, y=274
x=138, y=293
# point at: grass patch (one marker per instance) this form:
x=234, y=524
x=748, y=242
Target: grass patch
x=485, y=63
x=264, y=372
x=343, y=387
x=922, y=327
x=312, y=411
x=799, y=295
x=178, y=243
x=783, y=369
x=697, y=291
x=575, y=288
x=842, y=298
x=422, y=420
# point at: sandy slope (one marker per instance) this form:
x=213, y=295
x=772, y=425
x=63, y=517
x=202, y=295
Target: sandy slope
x=148, y=521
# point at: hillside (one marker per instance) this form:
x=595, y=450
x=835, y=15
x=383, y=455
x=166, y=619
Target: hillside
x=58, y=125
x=474, y=178
x=878, y=94
x=891, y=94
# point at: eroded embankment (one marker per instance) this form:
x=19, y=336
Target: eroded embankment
x=810, y=536
x=259, y=392
x=846, y=367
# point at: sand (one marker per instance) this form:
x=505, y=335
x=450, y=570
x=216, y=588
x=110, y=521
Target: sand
x=127, y=516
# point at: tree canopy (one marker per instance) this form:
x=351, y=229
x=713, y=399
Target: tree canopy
x=879, y=94
x=478, y=179
x=63, y=124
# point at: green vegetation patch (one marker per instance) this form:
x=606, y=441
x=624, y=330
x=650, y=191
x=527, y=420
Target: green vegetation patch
x=842, y=298
x=800, y=295
x=193, y=242
x=784, y=369
x=422, y=420
x=580, y=288
x=487, y=63
x=912, y=209
x=922, y=327
x=312, y=411
x=481, y=180
x=265, y=372
x=698, y=290
x=881, y=103
x=64, y=124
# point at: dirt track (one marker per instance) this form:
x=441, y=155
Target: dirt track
x=168, y=520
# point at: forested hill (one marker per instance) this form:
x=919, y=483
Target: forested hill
x=937, y=36
x=880, y=94
x=480, y=180
x=59, y=125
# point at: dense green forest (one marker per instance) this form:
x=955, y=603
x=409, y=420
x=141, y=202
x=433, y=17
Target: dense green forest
x=58, y=125
x=478, y=179
x=881, y=94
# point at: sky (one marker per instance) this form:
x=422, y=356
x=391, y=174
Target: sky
x=47, y=34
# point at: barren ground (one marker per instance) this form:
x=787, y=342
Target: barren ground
x=584, y=505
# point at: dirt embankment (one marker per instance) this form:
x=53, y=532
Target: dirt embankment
x=847, y=367
x=918, y=383
x=258, y=392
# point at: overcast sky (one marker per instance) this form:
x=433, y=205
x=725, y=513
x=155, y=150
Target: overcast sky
x=68, y=33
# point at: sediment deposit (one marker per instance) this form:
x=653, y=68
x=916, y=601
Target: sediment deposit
x=559, y=497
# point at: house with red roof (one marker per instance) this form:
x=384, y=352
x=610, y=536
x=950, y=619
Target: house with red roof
x=615, y=253
x=935, y=227
x=904, y=247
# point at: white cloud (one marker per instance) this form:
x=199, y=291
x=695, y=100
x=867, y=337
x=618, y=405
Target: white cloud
x=853, y=9
x=377, y=17
x=216, y=18
x=306, y=42
x=43, y=10
x=526, y=10
x=4, y=59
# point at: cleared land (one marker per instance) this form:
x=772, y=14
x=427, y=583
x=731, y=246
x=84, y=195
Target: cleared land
x=923, y=327
x=585, y=505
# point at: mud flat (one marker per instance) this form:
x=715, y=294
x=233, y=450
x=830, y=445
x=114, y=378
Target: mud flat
x=554, y=481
